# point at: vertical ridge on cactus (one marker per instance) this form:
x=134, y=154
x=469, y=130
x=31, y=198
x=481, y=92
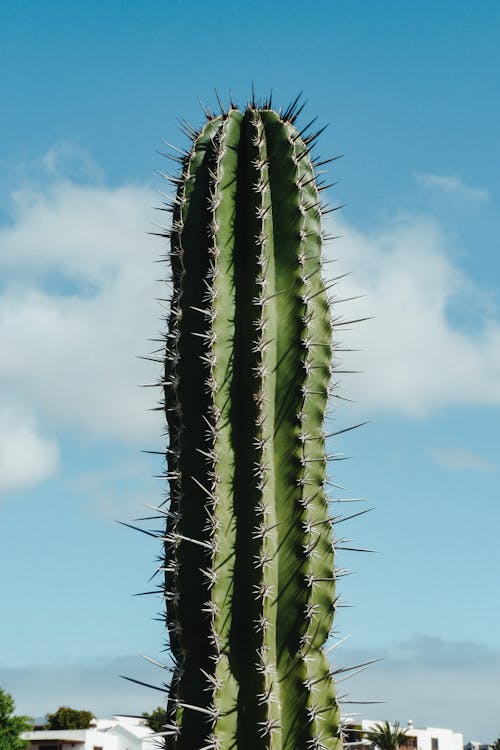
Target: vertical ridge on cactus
x=249, y=559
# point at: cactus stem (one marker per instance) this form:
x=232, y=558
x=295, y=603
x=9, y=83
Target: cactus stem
x=250, y=466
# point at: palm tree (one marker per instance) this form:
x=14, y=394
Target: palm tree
x=387, y=737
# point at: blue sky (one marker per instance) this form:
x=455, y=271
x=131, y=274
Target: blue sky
x=89, y=91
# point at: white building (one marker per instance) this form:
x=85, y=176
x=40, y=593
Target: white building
x=132, y=733
x=421, y=738
x=118, y=733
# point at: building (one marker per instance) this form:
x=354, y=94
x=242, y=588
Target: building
x=132, y=733
x=417, y=738
x=118, y=733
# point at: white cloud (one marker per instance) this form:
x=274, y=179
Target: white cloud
x=458, y=458
x=453, y=187
x=86, y=233
x=414, y=359
x=79, y=306
x=26, y=456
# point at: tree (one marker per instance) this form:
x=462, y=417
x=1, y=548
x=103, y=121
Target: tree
x=387, y=737
x=496, y=744
x=156, y=719
x=11, y=727
x=69, y=718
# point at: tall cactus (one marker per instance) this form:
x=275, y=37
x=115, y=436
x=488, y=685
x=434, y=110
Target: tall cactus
x=249, y=558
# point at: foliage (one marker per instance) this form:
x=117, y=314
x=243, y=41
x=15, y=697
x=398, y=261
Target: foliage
x=250, y=580
x=69, y=718
x=387, y=737
x=496, y=744
x=11, y=727
x=156, y=719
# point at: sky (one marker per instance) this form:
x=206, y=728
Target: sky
x=90, y=90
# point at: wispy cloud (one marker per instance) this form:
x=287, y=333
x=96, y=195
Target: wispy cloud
x=120, y=492
x=70, y=161
x=453, y=187
x=458, y=458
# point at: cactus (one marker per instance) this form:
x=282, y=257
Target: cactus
x=250, y=580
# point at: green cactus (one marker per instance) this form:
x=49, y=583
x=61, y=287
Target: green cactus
x=248, y=556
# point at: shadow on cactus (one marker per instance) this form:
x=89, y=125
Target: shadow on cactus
x=250, y=578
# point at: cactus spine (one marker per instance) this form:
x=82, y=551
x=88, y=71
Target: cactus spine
x=249, y=568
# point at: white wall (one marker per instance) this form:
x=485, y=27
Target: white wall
x=447, y=738
x=118, y=733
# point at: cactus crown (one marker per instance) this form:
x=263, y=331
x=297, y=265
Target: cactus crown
x=248, y=557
